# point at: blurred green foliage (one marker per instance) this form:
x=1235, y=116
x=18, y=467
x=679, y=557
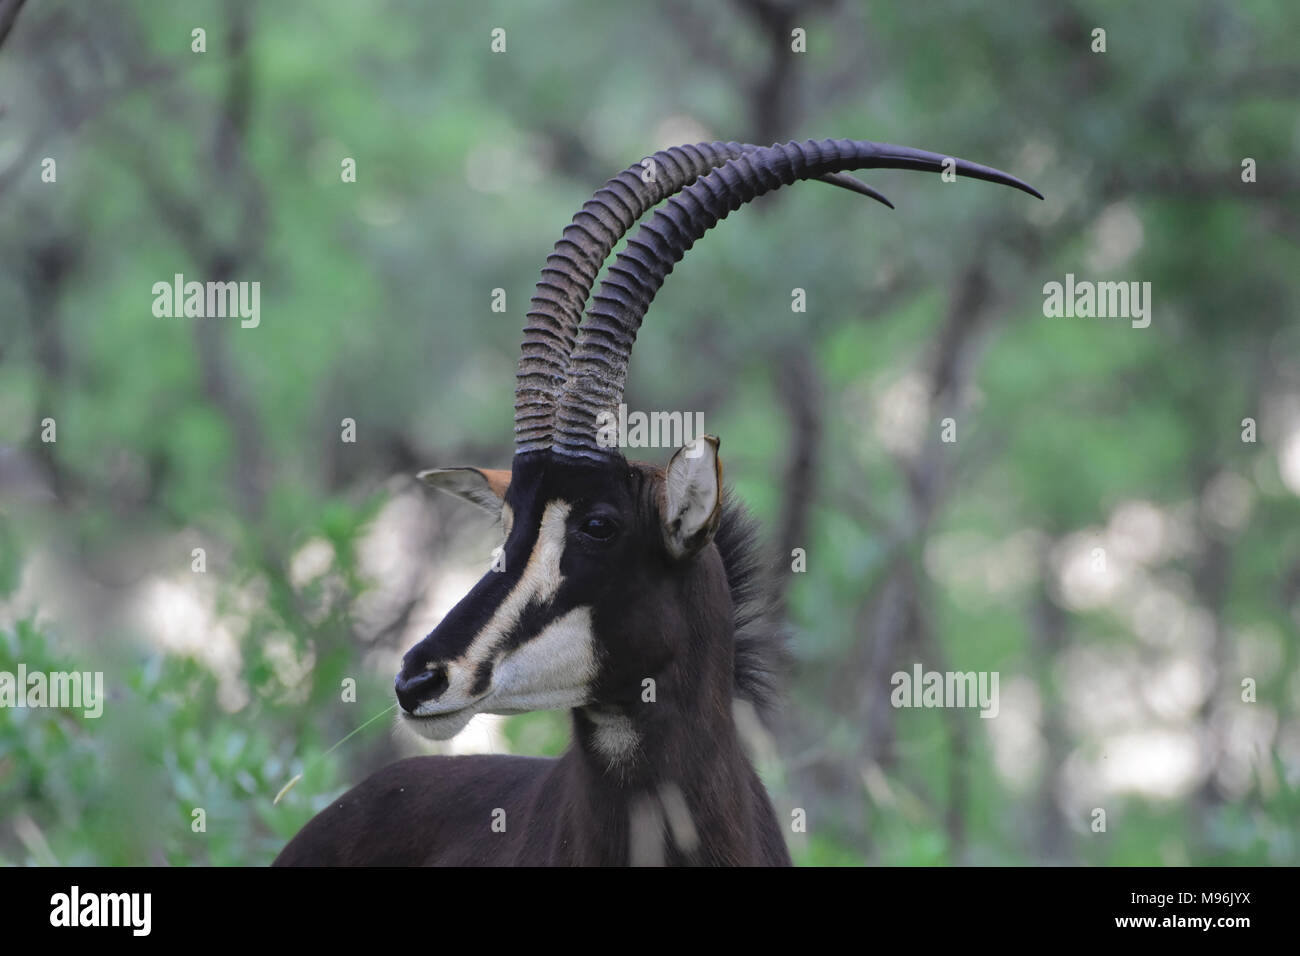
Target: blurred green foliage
x=175, y=434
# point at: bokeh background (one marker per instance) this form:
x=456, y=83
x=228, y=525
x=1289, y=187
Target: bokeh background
x=1100, y=534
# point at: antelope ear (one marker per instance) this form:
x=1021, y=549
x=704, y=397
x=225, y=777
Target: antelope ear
x=485, y=487
x=690, y=505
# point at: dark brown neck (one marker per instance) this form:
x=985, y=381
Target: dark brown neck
x=666, y=781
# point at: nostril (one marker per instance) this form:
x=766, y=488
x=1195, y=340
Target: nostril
x=436, y=681
x=426, y=684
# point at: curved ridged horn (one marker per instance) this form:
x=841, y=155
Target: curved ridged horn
x=571, y=268
x=598, y=363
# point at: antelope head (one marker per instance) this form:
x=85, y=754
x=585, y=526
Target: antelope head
x=609, y=573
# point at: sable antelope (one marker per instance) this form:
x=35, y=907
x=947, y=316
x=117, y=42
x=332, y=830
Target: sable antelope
x=618, y=577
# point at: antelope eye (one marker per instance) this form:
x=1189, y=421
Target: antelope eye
x=598, y=528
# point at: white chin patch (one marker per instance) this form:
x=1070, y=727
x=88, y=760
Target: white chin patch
x=439, y=728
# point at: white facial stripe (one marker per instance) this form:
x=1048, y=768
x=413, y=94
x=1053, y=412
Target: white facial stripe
x=507, y=518
x=541, y=578
x=551, y=669
x=550, y=672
